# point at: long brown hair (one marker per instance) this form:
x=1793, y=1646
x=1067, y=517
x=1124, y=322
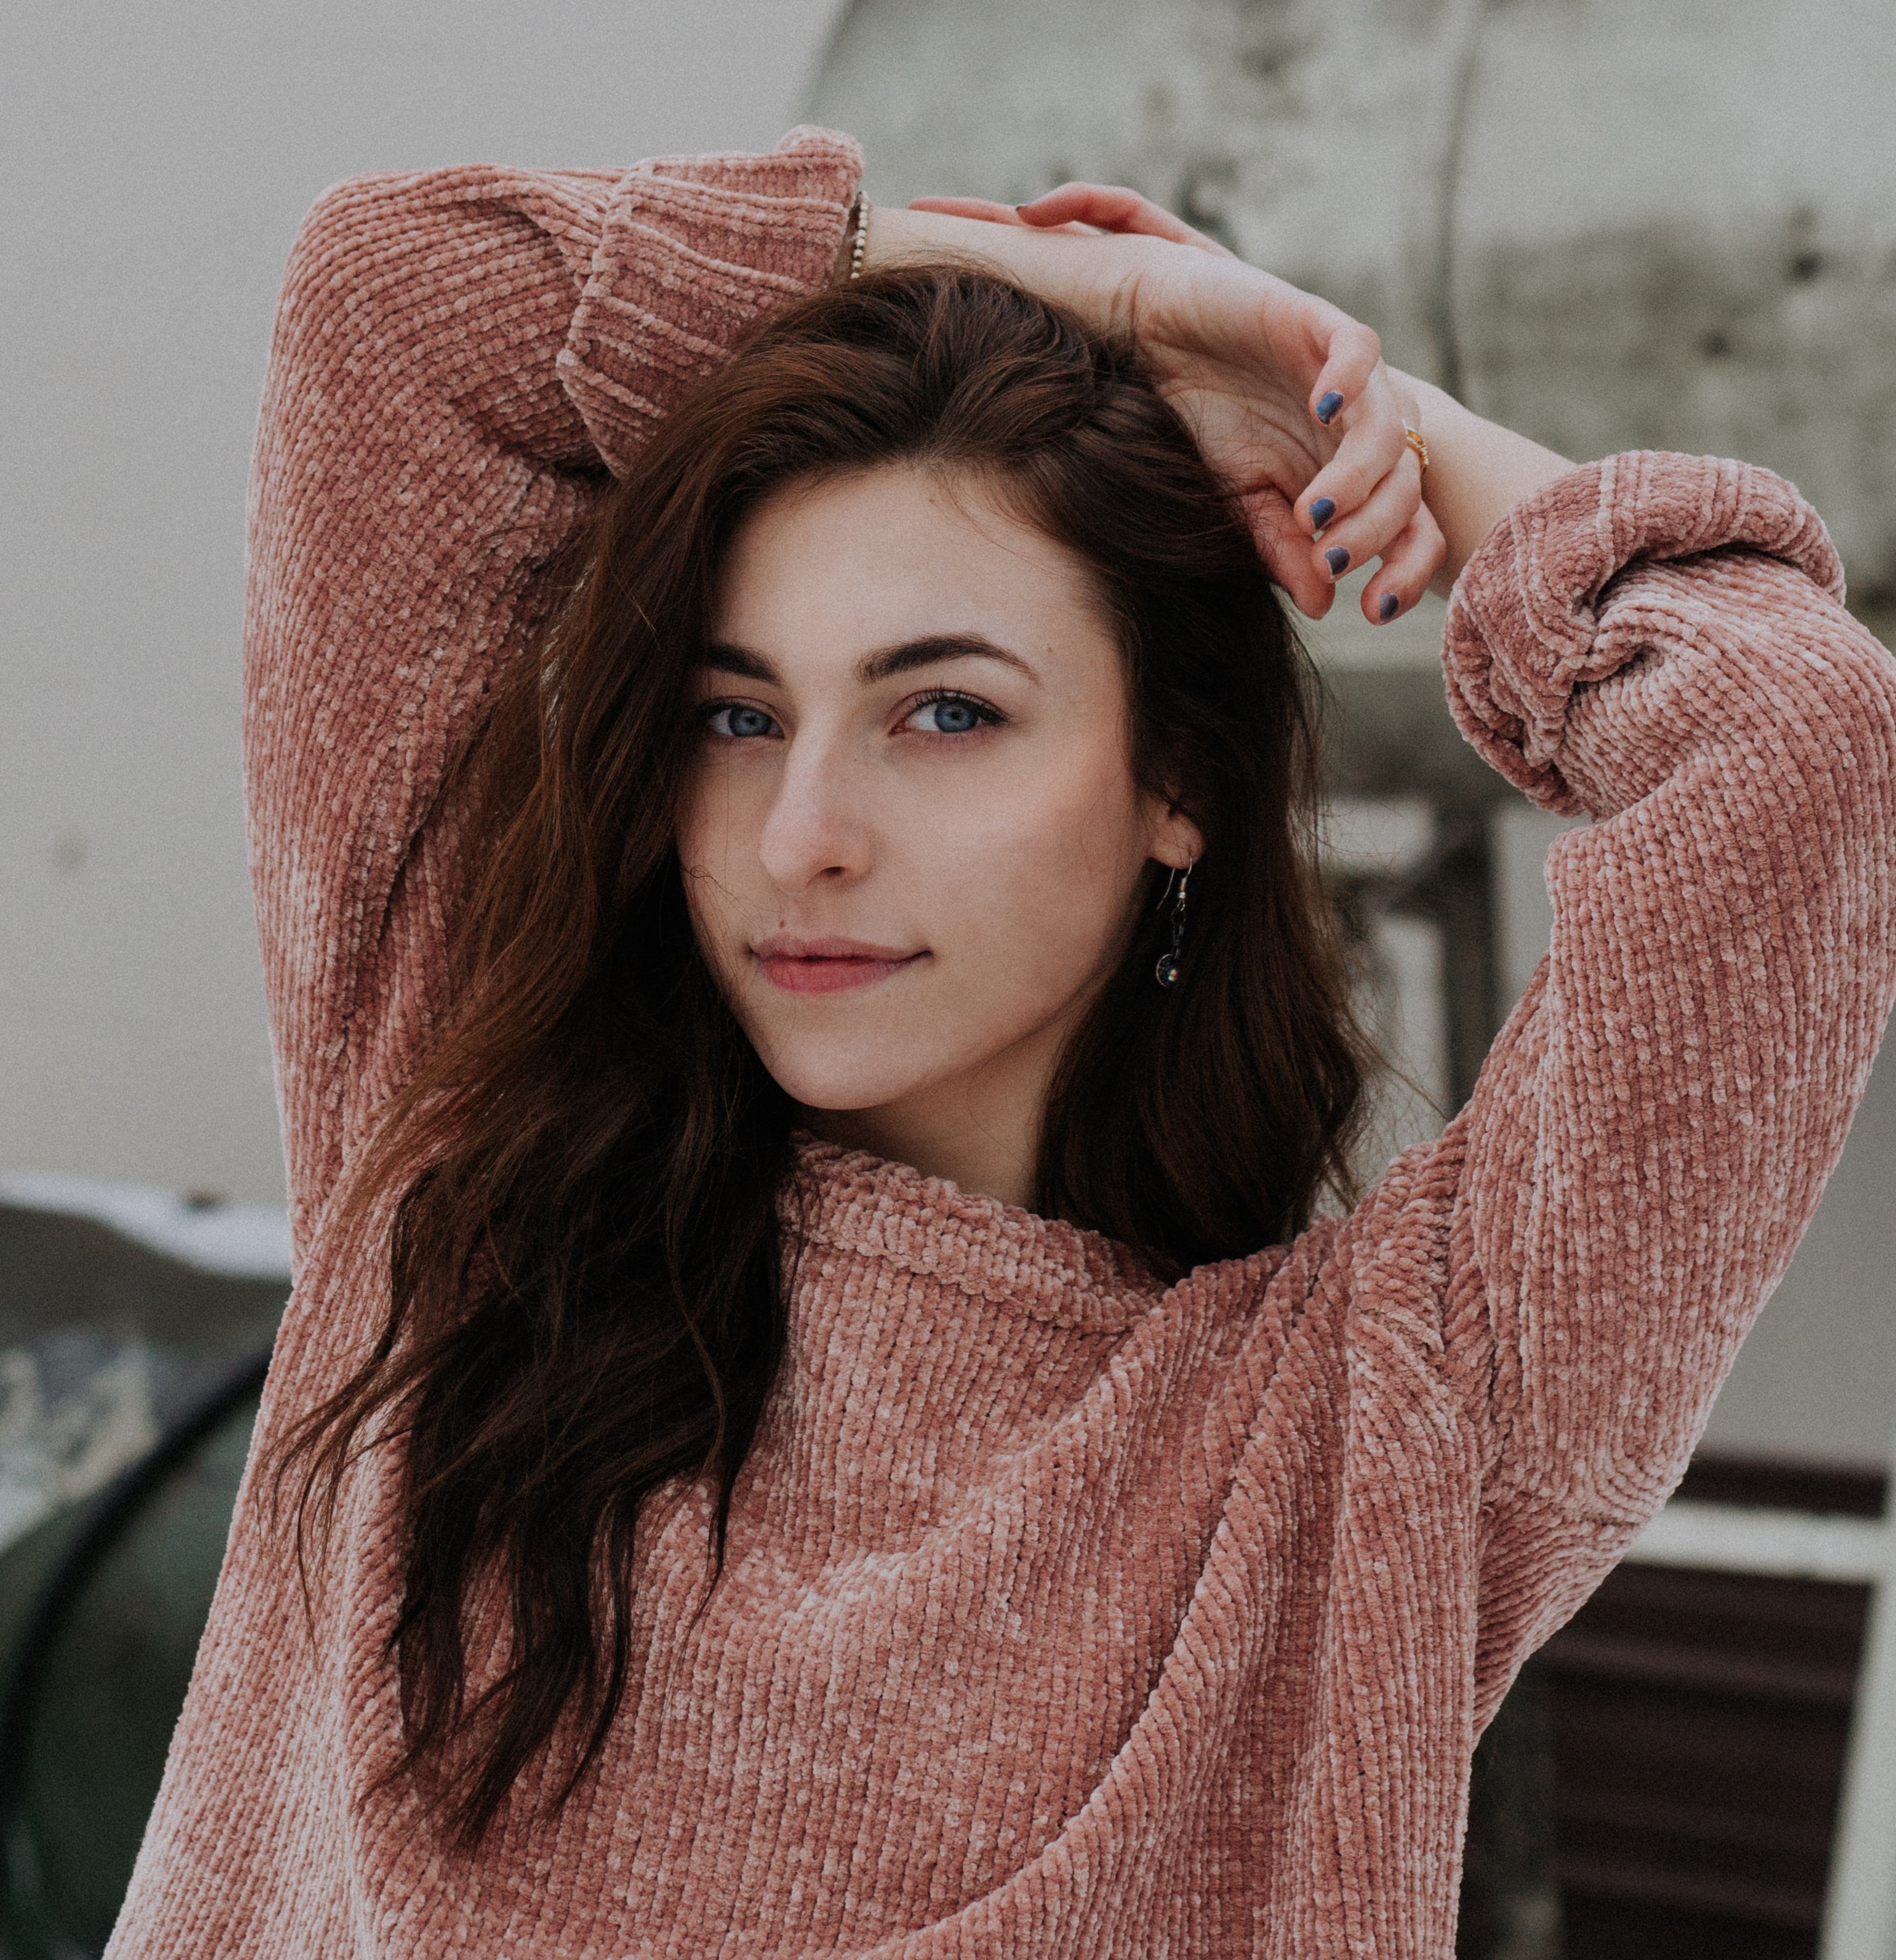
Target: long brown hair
x=588, y=1266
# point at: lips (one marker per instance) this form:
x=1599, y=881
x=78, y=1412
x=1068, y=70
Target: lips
x=828, y=965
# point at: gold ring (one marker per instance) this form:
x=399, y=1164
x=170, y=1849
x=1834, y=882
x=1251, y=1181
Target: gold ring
x=1414, y=438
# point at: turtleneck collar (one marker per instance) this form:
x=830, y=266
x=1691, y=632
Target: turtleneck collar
x=854, y=1203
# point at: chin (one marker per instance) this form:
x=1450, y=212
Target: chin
x=844, y=1081
x=820, y=1089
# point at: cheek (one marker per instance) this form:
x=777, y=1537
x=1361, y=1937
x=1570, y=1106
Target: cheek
x=1030, y=887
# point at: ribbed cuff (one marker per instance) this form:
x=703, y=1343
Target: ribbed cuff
x=1523, y=623
x=695, y=252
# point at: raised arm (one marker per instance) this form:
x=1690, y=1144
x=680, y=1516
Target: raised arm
x=1659, y=642
x=460, y=359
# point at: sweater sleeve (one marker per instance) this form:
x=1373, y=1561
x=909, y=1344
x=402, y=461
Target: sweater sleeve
x=1659, y=642
x=461, y=360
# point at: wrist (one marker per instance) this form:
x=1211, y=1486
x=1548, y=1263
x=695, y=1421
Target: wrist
x=897, y=236
x=1477, y=472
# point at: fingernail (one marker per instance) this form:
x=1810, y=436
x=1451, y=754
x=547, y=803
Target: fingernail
x=1388, y=606
x=1337, y=559
x=1321, y=511
x=1328, y=406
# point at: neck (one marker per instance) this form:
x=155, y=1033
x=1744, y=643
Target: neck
x=981, y=1131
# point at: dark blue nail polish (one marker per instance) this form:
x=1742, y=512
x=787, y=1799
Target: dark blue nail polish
x=1337, y=559
x=1388, y=606
x=1328, y=406
x=1322, y=511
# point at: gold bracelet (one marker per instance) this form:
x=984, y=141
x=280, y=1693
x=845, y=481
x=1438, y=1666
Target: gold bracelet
x=862, y=235
x=1414, y=438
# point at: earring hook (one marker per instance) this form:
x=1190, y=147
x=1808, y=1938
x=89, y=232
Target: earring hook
x=1171, y=878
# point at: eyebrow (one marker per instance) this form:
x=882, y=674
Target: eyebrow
x=905, y=658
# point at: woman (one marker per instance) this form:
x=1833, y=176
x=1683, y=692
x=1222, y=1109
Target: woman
x=819, y=1413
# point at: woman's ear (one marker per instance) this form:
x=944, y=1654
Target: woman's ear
x=1176, y=841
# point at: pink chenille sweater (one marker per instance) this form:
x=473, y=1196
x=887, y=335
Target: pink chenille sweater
x=1065, y=1614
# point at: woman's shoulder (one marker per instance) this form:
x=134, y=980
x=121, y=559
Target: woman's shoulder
x=1391, y=1246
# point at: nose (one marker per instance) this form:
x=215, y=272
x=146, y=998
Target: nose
x=816, y=829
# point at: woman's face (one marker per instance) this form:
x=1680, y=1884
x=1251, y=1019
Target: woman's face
x=912, y=844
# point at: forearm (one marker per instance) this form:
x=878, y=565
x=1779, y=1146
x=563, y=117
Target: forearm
x=1656, y=641
x=1078, y=270
x=1477, y=472
x=898, y=237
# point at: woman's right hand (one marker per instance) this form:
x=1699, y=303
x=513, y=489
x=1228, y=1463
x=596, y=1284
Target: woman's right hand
x=1250, y=362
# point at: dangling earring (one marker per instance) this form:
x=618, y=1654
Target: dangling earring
x=1166, y=973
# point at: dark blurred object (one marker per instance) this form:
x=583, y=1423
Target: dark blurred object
x=101, y=1608
x=1699, y=1723
x=1832, y=1490
x=1510, y=1895
x=69, y=1285
x=131, y=1384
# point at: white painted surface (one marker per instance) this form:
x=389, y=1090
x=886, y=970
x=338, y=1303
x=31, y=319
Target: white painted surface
x=1786, y=1544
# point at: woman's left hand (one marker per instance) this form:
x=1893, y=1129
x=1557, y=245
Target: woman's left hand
x=1288, y=396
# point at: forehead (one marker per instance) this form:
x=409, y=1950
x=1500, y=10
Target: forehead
x=822, y=573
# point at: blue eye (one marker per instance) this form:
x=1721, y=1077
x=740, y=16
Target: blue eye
x=747, y=724
x=952, y=714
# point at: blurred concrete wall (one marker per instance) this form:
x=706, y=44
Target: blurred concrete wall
x=157, y=159
x=1611, y=223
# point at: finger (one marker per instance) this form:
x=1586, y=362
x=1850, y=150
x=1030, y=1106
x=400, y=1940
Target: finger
x=1371, y=529
x=1373, y=443
x=1409, y=564
x=1285, y=547
x=1112, y=208
x=1351, y=361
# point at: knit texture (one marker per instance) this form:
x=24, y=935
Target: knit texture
x=1065, y=1615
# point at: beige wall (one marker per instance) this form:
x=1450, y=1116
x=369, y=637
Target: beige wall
x=157, y=159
